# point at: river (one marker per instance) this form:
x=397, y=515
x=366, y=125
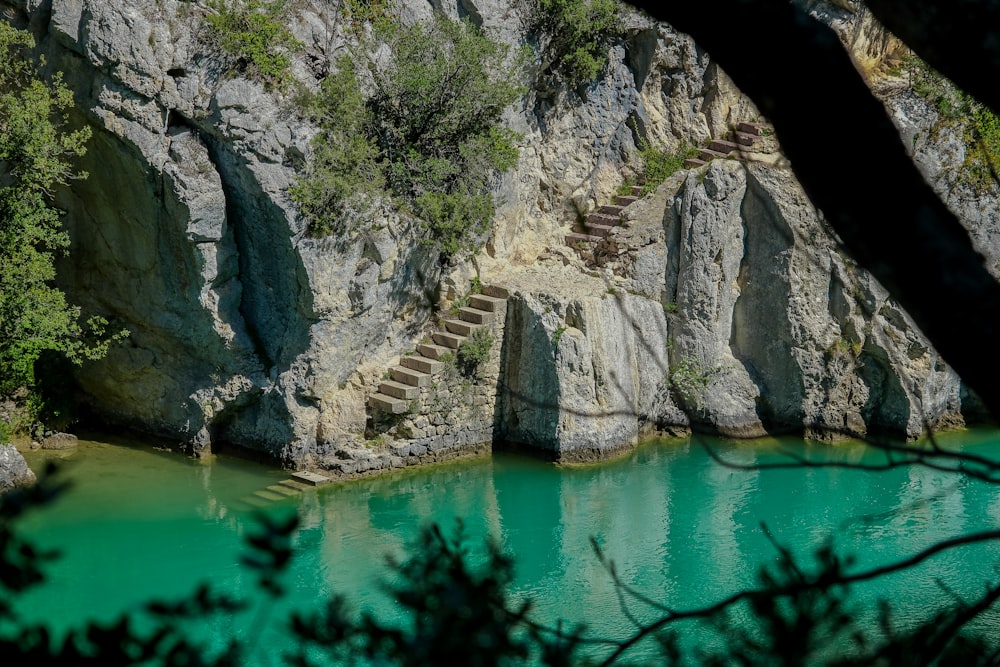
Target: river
x=139, y=523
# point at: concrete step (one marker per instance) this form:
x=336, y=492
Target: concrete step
x=755, y=129
x=708, y=155
x=474, y=315
x=295, y=485
x=742, y=138
x=311, y=478
x=626, y=200
x=270, y=496
x=603, y=219
x=398, y=390
x=447, y=339
x=388, y=404
x=461, y=328
x=432, y=351
x=409, y=376
x=593, y=230
x=496, y=291
x=723, y=146
x=422, y=364
x=284, y=490
x=254, y=501
x=694, y=163
x=611, y=209
x=487, y=303
x=575, y=237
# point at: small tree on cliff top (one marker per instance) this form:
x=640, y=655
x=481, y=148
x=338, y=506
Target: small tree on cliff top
x=431, y=128
x=36, y=150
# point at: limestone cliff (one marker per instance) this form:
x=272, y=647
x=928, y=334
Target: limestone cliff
x=725, y=303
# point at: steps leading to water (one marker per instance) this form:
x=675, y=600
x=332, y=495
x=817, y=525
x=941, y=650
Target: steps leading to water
x=283, y=490
x=415, y=371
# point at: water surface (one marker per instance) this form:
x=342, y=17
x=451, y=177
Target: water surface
x=140, y=523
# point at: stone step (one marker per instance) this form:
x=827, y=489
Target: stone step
x=255, y=501
x=637, y=190
x=603, y=219
x=409, y=376
x=398, y=390
x=461, y=328
x=742, y=138
x=432, y=351
x=593, y=230
x=496, y=291
x=750, y=128
x=694, y=163
x=626, y=200
x=284, y=490
x=270, y=496
x=611, y=209
x=294, y=485
x=708, y=155
x=448, y=339
x=474, y=315
x=388, y=404
x=723, y=146
x=311, y=478
x=575, y=237
x=420, y=363
x=488, y=303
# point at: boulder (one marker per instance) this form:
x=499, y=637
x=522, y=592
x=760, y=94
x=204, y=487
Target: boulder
x=14, y=470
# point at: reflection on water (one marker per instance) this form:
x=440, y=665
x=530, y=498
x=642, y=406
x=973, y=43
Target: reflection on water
x=680, y=527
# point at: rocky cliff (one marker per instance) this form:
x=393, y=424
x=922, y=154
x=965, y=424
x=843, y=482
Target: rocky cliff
x=723, y=304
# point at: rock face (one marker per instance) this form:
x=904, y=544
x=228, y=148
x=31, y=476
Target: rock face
x=725, y=305
x=14, y=471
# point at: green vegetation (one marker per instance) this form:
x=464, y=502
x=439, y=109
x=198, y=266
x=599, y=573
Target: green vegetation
x=979, y=126
x=557, y=336
x=690, y=379
x=36, y=153
x=474, y=352
x=660, y=165
x=841, y=348
x=457, y=305
x=361, y=13
x=431, y=131
x=573, y=35
x=252, y=33
x=345, y=171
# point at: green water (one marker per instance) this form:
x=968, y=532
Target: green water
x=139, y=523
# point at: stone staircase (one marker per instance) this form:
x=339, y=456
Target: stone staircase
x=600, y=223
x=742, y=138
x=283, y=490
x=416, y=370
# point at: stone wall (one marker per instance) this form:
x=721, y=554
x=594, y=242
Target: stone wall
x=454, y=416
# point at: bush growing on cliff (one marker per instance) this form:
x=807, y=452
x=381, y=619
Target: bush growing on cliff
x=251, y=32
x=979, y=126
x=659, y=165
x=431, y=127
x=36, y=153
x=475, y=352
x=573, y=35
x=345, y=164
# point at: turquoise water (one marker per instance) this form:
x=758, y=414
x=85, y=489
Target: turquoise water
x=139, y=523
